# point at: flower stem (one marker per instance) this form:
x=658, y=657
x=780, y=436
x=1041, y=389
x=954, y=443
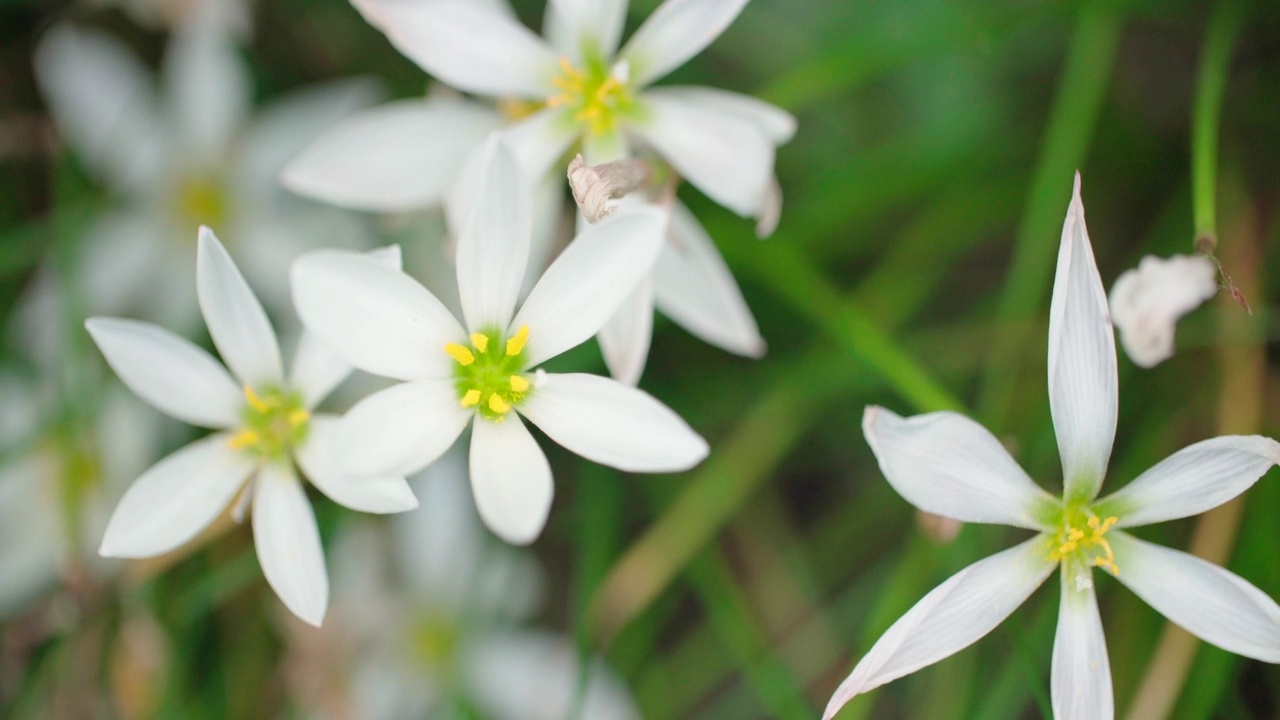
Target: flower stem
x=1220, y=37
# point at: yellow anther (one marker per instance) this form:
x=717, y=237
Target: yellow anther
x=519, y=384
x=480, y=341
x=459, y=353
x=498, y=405
x=516, y=344
x=243, y=439
x=254, y=401
x=471, y=398
x=299, y=416
x=569, y=70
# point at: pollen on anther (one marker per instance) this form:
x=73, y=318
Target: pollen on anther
x=459, y=353
x=243, y=439
x=480, y=341
x=471, y=398
x=255, y=402
x=519, y=384
x=299, y=416
x=516, y=344
x=498, y=405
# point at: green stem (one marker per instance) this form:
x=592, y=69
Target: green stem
x=1211, y=88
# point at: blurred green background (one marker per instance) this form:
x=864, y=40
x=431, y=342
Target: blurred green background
x=924, y=196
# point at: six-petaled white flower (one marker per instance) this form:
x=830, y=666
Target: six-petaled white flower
x=384, y=322
x=945, y=463
x=265, y=424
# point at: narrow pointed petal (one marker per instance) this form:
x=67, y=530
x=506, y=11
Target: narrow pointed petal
x=1082, y=360
x=471, y=46
x=951, y=617
x=539, y=140
x=237, y=323
x=511, y=479
x=592, y=27
x=610, y=423
x=382, y=494
x=176, y=499
x=587, y=284
x=1208, y=601
x=949, y=465
x=693, y=286
x=288, y=543
x=624, y=340
x=778, y=125
x=723, y=155
x=1197, y=478
x=169, y=372
x=208, y=86
x=493, y=243
x=400, y=430
x=675, y=32
x=1081, y=681
x=402, y=156
x=378, y=319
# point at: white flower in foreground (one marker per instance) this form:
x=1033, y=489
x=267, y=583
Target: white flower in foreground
x=384, y=322
x=183, y=150
x=265, y=425
x=946, y=464
x=1147, y=302
x=575, y=90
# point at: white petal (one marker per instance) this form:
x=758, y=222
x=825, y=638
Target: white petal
x=101, y=98
x=171, y=373
x=723, y=155
x=588, y=282
x=237, y=323
x=208, y=87
x=174, y=500
x=288, y=543
x=540, y=140
x=493, y=243
x=511, y=479
x=1207, y=601
x=693, y=286
x=471, y=46
x=378, y=319
x=384, y=494
x=397, y=157
x=317, y=369
x=1146, y=303
x=675, y=32
x=949, y=465
x=400, y=430
x=951, y=617
x=613, y=424
x=1082, y=361
x=778, y=125
x=593, y=27
x=1081, y=681
x=624, y=340
x=1197, y=478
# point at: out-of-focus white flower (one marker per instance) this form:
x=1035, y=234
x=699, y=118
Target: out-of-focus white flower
x=1147, y=302
x=186, y=155
x=265, y=424
x=383, y=322
x=576, y=89
x=945, y=463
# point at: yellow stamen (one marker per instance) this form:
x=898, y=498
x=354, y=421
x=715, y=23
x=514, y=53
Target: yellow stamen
x=471, y=398
x=516, y=344
x=299, y=416
x=519, y=384
x=498, y=405
x=243, y=439
x=254, y=401
x=480, y=341
x=459, y=353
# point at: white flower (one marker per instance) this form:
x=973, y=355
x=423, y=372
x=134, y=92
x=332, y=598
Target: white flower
x=385, y=323
x=946, y=464
x=265, y=425
x=1147, y=302
x=185, y=154
x=577, y=90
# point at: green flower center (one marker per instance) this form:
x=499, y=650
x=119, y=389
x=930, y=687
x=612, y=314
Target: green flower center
x=1082, y=537
x=273, y=422
x=597, y=95
x=435, y=642
x=489, y=374
x=202, y=200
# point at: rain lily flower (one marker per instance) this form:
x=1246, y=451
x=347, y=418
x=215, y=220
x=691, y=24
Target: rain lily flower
x=482, y=376
x=185, y=155
x=266, y=426
x=946, y=464
x=1147, y=302
x=576, y=89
